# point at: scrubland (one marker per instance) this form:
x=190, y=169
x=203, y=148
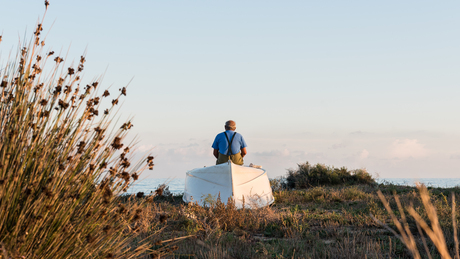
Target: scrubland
x=319, y=221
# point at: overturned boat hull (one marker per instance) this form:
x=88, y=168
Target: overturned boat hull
x=247, y=186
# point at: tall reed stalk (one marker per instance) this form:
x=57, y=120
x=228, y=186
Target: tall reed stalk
x=62, y=161
x=432, y=229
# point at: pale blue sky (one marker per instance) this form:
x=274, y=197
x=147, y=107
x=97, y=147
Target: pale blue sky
x=345, y=83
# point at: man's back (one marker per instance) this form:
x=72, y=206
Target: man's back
x=221, y=143
x=229, y=145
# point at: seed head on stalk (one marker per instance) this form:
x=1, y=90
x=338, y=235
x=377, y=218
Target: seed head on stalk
x=54, y=153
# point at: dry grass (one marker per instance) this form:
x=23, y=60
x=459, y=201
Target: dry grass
x=293, y=228
x=426, y=219
x=63, y=162
x=319, y=222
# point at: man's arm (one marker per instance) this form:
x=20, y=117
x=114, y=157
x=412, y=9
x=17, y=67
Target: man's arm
x=216, y=153
x=243, y=152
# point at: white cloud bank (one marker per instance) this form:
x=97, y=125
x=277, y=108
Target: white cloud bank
x=364, y=154
x=407, y=148
x=278, y=153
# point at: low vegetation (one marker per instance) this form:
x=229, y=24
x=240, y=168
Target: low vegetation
x=307, y=175
x=330, y=221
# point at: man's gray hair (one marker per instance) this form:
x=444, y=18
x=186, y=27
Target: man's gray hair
x=230, y=125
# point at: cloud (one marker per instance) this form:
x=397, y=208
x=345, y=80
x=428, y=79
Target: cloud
x=191, y=151
x=359, y=133
x=144, y=148
x=455, y=157
x=299, y=153
x=337, y=146
x=407, y=148
x=277, y=153
x=184, y=151
x=364, y=154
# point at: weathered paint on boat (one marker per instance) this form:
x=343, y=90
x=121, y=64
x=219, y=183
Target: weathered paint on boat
x=203, y=185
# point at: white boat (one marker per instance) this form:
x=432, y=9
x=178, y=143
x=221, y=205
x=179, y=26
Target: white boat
x=203, y=185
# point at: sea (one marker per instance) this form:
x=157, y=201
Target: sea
x=176, y=185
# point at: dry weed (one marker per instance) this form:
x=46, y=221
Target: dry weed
x=432, y=229
x=63, y=162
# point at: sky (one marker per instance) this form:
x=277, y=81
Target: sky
x=359, y=84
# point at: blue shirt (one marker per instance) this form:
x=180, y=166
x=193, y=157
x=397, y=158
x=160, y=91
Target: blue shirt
x=221, y=144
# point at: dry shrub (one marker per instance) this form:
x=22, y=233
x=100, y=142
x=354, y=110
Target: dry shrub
x=218, y=217
x=62, y=162
x=432, y=228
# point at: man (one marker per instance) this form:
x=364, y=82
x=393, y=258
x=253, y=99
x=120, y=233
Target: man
x=229, y=145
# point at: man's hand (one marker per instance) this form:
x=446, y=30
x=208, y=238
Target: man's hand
x=243, y=152
x=216, y=153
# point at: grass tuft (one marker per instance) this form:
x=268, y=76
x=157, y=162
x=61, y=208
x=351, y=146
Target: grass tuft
x=430, y=216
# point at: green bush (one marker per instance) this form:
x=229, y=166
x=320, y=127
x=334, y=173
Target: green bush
x=61, y=170
x=306, y=176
